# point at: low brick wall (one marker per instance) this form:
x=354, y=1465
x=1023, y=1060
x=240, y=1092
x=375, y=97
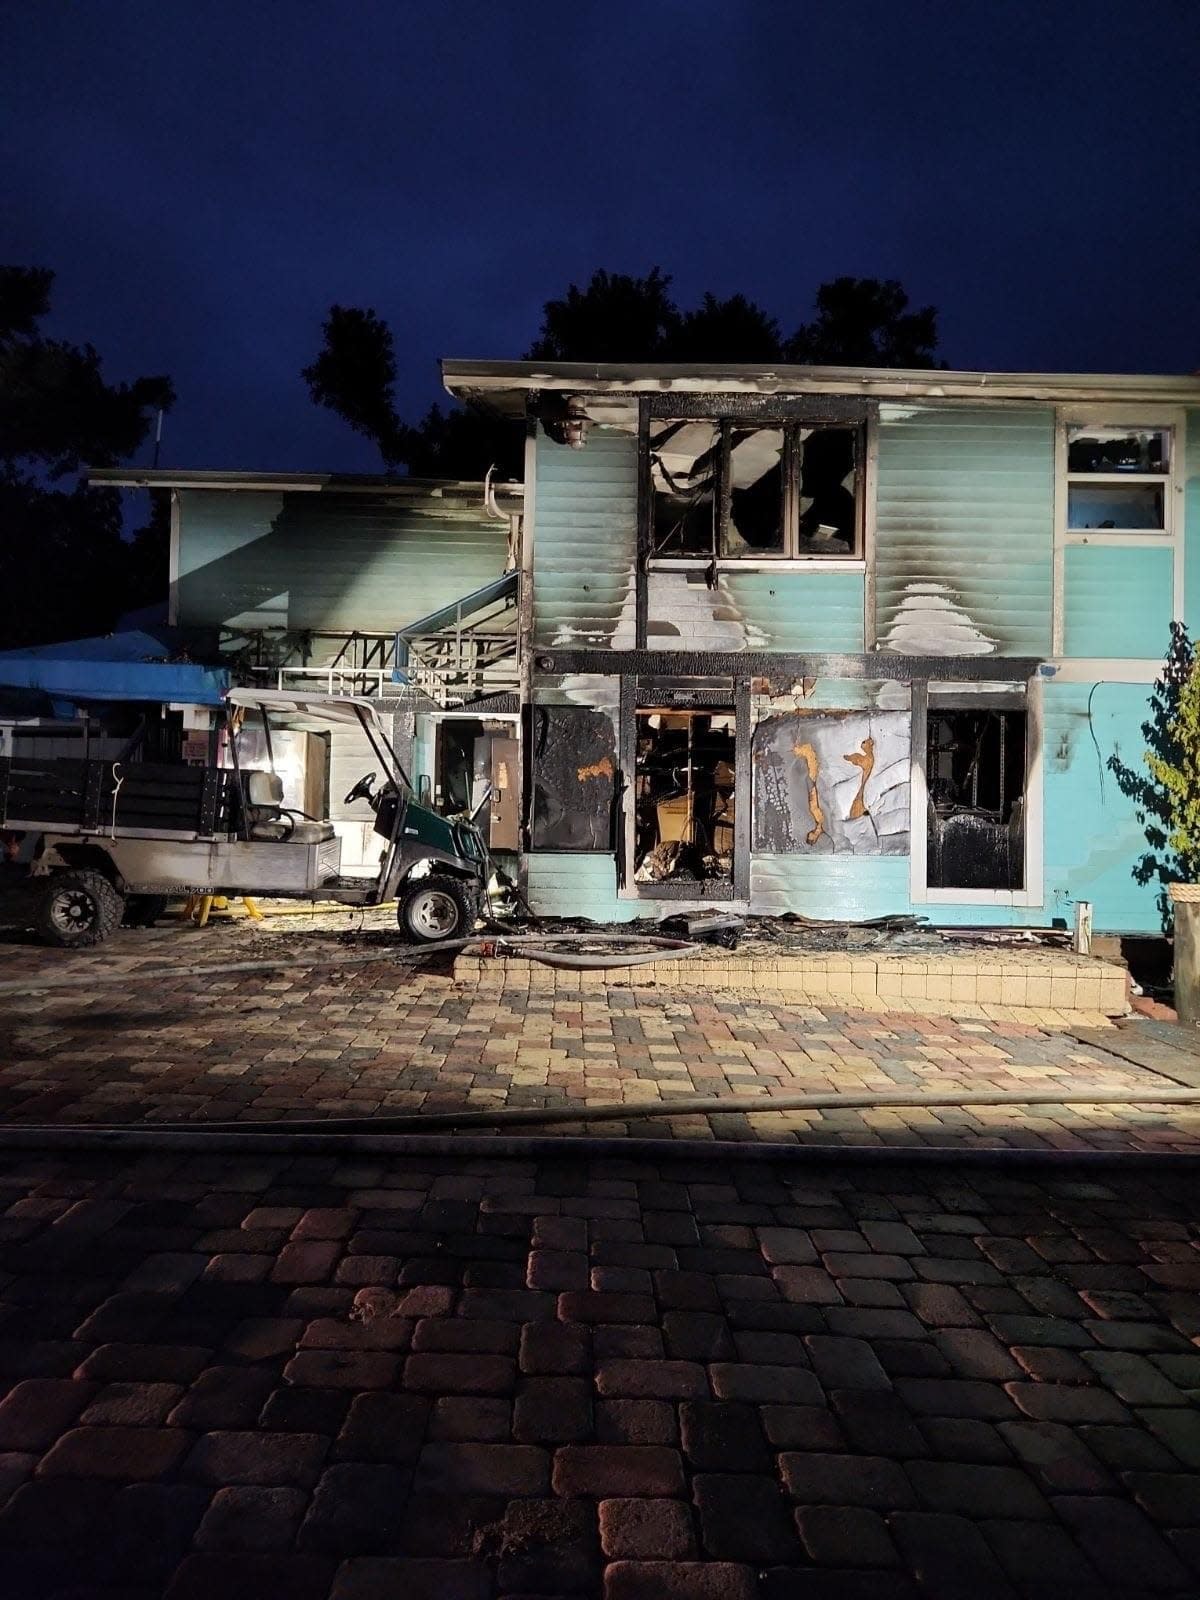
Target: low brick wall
x=1052, y=986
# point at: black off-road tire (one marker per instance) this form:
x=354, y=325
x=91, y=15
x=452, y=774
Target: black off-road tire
x=144, y=910
x=436, y=908
x=78, y=909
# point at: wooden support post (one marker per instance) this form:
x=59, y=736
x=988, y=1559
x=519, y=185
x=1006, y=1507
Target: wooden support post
x=1185, y=901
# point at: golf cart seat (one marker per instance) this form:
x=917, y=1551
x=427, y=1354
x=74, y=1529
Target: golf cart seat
x=269, y=819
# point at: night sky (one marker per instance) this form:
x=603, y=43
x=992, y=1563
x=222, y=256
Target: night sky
x=207, y=176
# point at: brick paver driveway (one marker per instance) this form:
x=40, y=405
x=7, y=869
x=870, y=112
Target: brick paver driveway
x=378, y=1039
x=452, y=1380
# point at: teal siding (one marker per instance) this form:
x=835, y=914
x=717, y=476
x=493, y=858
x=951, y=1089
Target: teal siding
x=228, y=570
x=799, y=610
x=965, y=530
x=813, y=886
x=755, y=611
x=575, y=884
x=1092, y=838
x=585, y=541
x=326, y=561
x=862, y=886
x=1117, y=600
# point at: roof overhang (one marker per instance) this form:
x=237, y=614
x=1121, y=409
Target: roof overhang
x=456, y=492
x=503, y=386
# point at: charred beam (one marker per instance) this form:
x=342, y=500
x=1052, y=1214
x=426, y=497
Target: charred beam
x=645, y=528
x=813, y=408
x=783, y=668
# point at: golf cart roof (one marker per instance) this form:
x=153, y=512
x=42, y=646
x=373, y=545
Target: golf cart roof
x=319, y=708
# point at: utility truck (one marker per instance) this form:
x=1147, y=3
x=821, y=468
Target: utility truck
x=115, y=839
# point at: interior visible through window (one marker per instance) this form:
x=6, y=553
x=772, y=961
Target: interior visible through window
x=975, y=763
x=730, y=490
x=1117, y=478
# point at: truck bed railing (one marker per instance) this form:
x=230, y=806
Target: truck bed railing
x=95, y=796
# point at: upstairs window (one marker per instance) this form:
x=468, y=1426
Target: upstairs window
x=1117, y=479
x=728, y=490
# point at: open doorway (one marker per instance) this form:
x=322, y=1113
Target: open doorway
x=975, y=767
x=683, y=820
x=477, y=762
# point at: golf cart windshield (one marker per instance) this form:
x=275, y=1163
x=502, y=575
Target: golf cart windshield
x=318, y=711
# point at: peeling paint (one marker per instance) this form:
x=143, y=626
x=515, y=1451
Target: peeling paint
x=832, y=782
x=964, y=530
x=864, y=758
x=808, y=755
x=931, y=622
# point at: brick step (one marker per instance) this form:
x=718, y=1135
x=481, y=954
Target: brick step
x=1047, y=986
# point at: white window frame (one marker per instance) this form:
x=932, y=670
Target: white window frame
x=967, y=697
x=1171, y=419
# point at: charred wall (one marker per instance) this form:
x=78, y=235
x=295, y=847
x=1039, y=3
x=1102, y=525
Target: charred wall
x=832, y=782
x=964, y=530
x=574, y=779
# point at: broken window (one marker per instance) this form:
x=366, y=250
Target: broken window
x=752, y=523
x=1117, y=478
x=684, y=803
x=736, y=491
x=975, y=762
x=684, y=464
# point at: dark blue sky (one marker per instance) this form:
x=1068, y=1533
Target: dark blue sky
x=206, y=176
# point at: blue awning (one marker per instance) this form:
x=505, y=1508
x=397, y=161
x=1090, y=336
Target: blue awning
x=130, y=666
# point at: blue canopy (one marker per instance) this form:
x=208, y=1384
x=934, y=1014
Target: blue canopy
x=134, y=665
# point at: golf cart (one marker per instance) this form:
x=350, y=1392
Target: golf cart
x=116, y=839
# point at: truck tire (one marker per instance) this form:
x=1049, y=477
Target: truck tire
x=436, y=908
x=78, y=909
x=144, y=910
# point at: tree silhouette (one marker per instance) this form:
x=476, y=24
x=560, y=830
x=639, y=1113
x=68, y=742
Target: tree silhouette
x=1165, y=790
x=354, y=375
x=725, y=331
x=65, y=569
x=865, y=322
x=615, y=318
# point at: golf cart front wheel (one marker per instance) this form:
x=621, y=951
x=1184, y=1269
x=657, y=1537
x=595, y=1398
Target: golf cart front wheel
x=78, y=909
x=436, y=908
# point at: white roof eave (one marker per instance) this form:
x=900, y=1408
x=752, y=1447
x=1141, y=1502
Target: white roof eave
x=504, y=384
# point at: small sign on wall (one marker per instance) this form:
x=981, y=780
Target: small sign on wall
x=195, y=749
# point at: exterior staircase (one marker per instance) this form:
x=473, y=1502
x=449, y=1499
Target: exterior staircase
x=464, y=650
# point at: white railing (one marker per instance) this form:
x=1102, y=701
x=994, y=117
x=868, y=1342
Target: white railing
x=333, y=680
x=453, y=669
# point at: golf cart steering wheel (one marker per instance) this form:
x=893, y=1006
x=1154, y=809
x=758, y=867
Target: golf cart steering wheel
x=361, y=790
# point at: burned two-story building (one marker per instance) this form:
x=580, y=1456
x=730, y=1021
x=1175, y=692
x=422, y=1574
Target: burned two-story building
x=843, y=642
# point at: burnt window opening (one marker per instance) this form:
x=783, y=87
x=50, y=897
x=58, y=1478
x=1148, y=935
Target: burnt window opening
x=722, y=489
x=684, y=803
x=975, y=764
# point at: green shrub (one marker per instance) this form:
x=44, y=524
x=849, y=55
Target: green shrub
x=1166, y=794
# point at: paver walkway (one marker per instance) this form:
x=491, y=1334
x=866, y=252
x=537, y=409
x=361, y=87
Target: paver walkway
x=287, y=1379
x=379, y=1039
